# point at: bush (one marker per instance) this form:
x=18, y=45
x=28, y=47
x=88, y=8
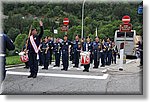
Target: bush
x=20, y=42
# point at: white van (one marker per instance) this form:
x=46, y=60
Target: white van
x=128, y=38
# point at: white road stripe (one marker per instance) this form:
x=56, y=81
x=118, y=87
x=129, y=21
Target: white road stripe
x=61, y=75
x=130, y=61
x=14, y=68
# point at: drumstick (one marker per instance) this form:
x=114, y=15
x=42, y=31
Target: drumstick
x=28, y=37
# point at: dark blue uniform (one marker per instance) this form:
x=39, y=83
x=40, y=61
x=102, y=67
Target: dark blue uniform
x=76, y=50
x=114, y=54
x=33, y=61
x=57, y=52
x=96, y=51
x=109, y=53
x=103, y=54
x=71, y=54
x=65, y=54
x=45, y=54
x=141, y=52
x=106, y=52
x=41, y=63
x=88, y=47
x=6, y=43
x=51, y=45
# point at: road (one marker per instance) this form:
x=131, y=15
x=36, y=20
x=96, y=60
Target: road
x=108, y=80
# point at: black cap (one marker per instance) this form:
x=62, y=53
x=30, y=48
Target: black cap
x=65, y=35
x=77, y=35
x=33, y=29
x=88, y=37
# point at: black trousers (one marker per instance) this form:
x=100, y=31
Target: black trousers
x=41, y=59
x=65, y=60
x=114, y=55
x=96, y=61
x=57, y=58
x=50, y=56
x=86, y=67
x=33, y=63
x=27, y=64
x=46, y=60
x=141, y=58
x=103, y=58
x=76, y=58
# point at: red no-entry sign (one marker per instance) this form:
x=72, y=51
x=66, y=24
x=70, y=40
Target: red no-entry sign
x=126, y=19
x=66, y=21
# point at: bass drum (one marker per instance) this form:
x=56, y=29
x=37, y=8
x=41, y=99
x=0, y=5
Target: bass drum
x=85, y=58
x=24, y=58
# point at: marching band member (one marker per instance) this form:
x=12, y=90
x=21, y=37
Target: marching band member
x=114, y=52
x=65, y=52
x=76, y=50
x=46, y=53
x=96, y=45
x=87, y=46
x=51, y=44
x=71, y=54
x=33, y=47
x=41, y=55
x=109, y=52
x=57, y=52
x=103, y=53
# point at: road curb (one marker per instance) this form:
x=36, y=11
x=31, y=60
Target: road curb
x=17, y=65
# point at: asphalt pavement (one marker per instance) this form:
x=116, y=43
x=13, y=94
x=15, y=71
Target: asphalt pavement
x=104, y=80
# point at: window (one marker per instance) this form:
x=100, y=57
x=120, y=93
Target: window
x=120, y=34
x=129, y=34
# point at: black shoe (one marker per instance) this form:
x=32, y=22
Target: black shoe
x=102, y=66
x=55, y=66
x=44, y=68
x=120, y=69
x=30, y=76
x=34, y=76
x=95, y=67
x=63, y=69
x=84, y=70
x=75, y=66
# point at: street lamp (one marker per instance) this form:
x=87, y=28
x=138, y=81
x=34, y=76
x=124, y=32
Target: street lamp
x=82, y=17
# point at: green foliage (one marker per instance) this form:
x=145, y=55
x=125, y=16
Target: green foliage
x=20, y=42
x=47, y=33
x=12, y=33
x=105, y=16
x=12, y=60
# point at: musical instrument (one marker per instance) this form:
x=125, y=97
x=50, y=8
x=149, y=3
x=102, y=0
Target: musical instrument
x=85, y=57
x=23, y=57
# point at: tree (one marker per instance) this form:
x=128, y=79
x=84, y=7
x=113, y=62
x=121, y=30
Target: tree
x=12, y=33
